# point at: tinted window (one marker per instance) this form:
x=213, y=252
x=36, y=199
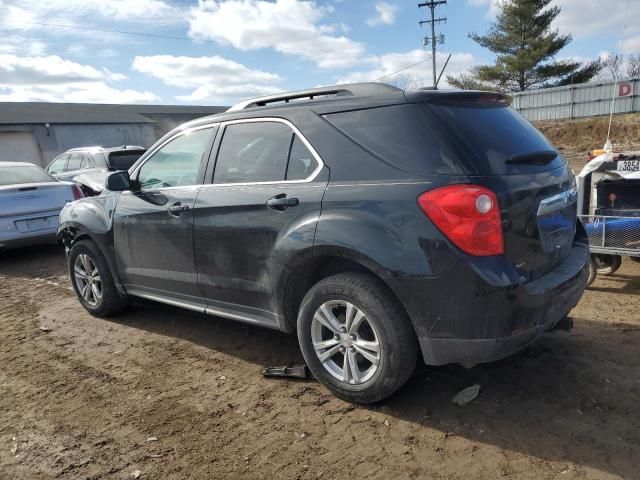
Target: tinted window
x=301, y=161
x=253, y=152
x=488, y=135
x=58, y=164
x=123, y=160
x=400, y=136
x=176, y=163
x=23, y=174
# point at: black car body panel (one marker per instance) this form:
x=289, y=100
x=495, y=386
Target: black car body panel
x=232, y=251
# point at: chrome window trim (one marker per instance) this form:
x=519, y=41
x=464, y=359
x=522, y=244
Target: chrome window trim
x=312, y=176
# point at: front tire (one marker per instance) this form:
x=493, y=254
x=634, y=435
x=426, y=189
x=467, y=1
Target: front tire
x=355, y=338
x=92, y=280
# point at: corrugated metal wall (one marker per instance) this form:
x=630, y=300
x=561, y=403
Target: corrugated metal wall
x=576, y=101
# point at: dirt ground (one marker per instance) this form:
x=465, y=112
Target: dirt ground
x=163, y=393
x=167, y=393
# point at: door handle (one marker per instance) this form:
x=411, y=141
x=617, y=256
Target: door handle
x=177, y=209
x=282, y=202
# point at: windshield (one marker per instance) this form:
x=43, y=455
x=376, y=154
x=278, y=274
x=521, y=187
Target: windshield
x=489, y=135
x=20, y=174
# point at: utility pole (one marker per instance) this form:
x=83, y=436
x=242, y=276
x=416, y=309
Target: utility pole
x=432, y=4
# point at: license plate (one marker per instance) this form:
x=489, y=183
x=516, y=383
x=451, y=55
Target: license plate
x=628, y=166
x=36, y=224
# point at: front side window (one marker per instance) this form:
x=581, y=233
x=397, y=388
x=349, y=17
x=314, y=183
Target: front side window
x=177, y=163
x=58, y=164
x=253, y=152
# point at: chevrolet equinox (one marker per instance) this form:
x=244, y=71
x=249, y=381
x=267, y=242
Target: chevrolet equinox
x=380, y=226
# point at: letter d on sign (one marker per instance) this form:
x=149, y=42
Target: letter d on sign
x=625, y=89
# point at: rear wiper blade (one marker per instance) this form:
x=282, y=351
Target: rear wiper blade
x=541, y=157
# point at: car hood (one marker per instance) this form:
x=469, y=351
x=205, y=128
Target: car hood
x=95, y=180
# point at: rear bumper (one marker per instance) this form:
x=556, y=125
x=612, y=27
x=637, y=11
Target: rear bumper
x=10, y=237
x=465, y=320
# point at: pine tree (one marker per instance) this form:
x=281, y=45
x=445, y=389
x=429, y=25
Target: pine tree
x=525, y=46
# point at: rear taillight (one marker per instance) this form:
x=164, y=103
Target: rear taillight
x=77, y=192
x=468, y=215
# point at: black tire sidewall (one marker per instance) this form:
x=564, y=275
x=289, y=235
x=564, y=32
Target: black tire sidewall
x=398, y=349
x=111, y=301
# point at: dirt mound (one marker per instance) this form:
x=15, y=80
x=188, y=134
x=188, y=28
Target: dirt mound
x=576, y=137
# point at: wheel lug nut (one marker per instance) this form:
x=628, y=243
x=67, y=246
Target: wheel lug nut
x=343, y=329
x=342, y=349
x=353, y=338
x=336, y=337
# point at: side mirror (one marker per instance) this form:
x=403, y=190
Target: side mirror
x=119, y=181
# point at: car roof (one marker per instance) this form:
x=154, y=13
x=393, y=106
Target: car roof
x=103, y=149
x=325, y=100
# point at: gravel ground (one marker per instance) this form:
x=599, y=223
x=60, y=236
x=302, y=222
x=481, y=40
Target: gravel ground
x=165, y=393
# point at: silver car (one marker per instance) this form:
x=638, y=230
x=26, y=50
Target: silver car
x=30, y=202
x=83, y=160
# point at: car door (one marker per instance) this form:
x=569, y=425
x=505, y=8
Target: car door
x=153, y=223
x=257, y=215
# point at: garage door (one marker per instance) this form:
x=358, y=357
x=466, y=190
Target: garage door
x=19, y=147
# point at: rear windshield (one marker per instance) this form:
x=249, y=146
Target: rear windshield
x=17, y=175
x=399, y=135
x=123, y=160
x=488, y=135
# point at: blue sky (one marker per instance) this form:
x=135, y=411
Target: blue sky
x=233, y=49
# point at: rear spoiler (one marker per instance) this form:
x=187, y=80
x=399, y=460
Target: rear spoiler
x=453, y=97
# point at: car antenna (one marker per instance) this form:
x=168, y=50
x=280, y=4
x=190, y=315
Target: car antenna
x=608, y=147
x=435, y=87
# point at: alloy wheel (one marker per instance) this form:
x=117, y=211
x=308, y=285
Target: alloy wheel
x=345, y=342
x=87, y=278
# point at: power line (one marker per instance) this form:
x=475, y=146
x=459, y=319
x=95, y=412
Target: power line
x=195, y=40
x=401, y=70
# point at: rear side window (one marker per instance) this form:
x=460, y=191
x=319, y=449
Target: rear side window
x=489, y=135
x=253, y=152
x=75, y=161
x=301, y=162
x=399, y=136
x=17, y=175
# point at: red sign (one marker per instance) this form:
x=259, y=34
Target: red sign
x=625, y=89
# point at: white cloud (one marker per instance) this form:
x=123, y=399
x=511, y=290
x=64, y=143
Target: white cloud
x=292, y=27
x=22, y=13
x=417, y=76
x=386, y=14
x=213, y=79
x=54, y=79
x=587, y=18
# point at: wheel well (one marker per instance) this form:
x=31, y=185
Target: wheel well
x=311, y=272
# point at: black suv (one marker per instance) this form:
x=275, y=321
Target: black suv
x=377, y=224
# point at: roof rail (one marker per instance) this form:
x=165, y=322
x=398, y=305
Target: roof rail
x=348, y=89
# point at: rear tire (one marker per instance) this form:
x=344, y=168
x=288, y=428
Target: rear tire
x=355, y=338
x=92, y=280
x=606, y=264
x=593, y=273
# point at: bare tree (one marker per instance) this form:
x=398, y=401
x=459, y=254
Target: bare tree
x=611, y=67
x=633, y=66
